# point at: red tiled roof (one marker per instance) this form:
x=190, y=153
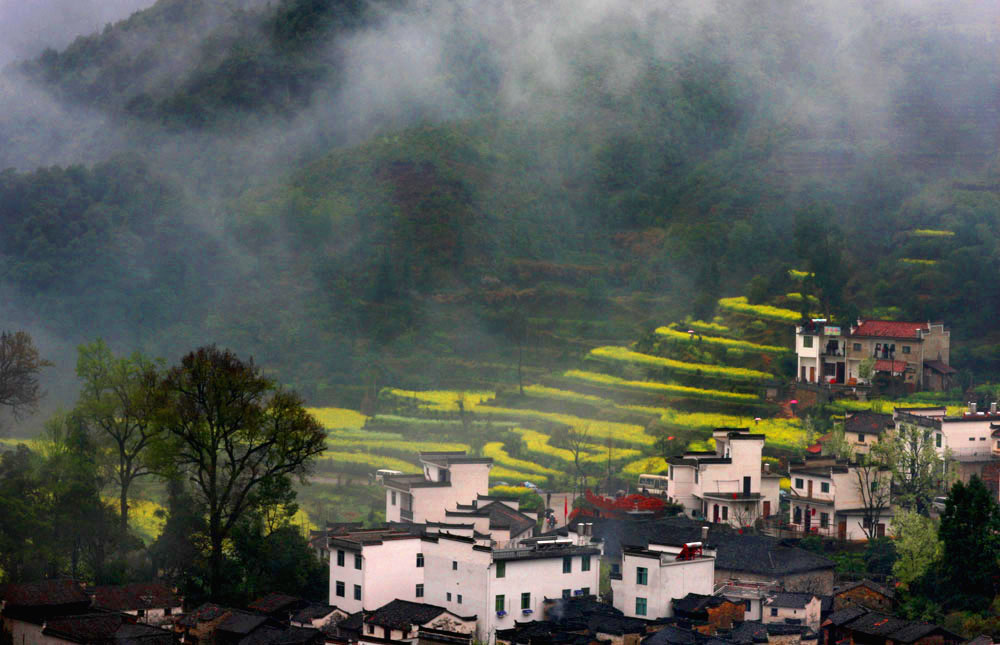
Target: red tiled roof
x=889, y=329
x=896, y=367
x=140, y=595
x=44, y=593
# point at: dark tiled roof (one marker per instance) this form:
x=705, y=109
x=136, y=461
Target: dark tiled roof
x=749, y=632
x=314, y=611
x=44, y=593
x=401, y=614
x=789, y=600
x=140, y=595
x=868, y=422
x=696, y=603
x=940, y=367
x=205, y=613
x=276, y=602
x=846, y=615
x=104, y=627
x=241, y=622
x=885, y=365
x=449, y=458
x=671, y=635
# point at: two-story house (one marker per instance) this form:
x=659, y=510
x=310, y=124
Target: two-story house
x=839, y=499
x=652, y=577
x=793, y=609
x=917, y=352
x=726, y=485
x=862, y=430
x=448, y=479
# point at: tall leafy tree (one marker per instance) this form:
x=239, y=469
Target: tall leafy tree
x=917, y=545
x=970, y=533
x=234, y=434
x=918, y=470
x=118, y=399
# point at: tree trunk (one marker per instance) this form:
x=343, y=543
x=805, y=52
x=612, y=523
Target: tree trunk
x=123, y=510
x=215, y=572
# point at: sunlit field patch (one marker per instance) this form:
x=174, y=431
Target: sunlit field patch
x=669, y=389
x=717, y=371
x=443, y=400
x=674, y=334
x=335, y=418
x=594, y=429
x=514, y=476
x=538, y=442
x=782, y=433
x=333, y=457
x=508, y=491
x=566, y=395
x=495, y=451
x=649, y=465
x=918, y=262
x=740, y=305
x=375, y=445
x=930, y=232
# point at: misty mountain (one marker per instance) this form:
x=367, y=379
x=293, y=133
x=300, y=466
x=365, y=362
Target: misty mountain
x=332, y=185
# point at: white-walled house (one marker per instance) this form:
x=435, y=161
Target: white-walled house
x=508, y=583
x=371, y=568
x=403, y=620
x=726, y=485
x=793, y=609
x=825, y=498
x=651, y=579
x=151, y=603
x=448, y=479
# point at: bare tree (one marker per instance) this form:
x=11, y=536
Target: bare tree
x=874, y=480
x=576, y=443
x=20, y=365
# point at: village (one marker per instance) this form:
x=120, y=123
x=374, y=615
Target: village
x=454, y=564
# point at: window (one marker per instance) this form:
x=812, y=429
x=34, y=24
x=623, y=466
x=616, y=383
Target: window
x=420, y=559
x=937, y=440
x=616, y=569
x=857, y=347
x=501, y=569
x=697, y=469
x=340, y=558
x=640, y=606
x=357, y=560
x=972, y=438
x=567, y=564
x=167, y=611
x=142, y=613
x=448, y=596
x=454, y=565
x=499, y=603
x=824, y=487
x=798, y=482
x=585, y=563
x=585, y=591
x=371, y=629
x=824, y=520
x=420, y=591
x=671, y=471
x=878, y=349
x=807, y=341
x=774, y=611
x=906, y=349
x=746, y=605
x=861, y=437
x=357, y=592
x=725, y=512
x=566, y=593
x=460, y=599
x=525, y=600
x=392, y=493
x=641, y=575
x=340, y=589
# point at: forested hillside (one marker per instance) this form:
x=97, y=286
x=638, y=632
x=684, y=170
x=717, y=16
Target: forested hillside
x=360, y=193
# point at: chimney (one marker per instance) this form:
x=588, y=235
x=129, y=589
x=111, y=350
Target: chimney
x=993, y=407
x=972, y=407
x=767, y=466
x=704, y=535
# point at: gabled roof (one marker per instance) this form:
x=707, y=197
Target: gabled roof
x=696, y=603
x=276, y=602
x=104, y=627
x=314, y=611
x=204, y=613
x=402, y=614
x=890, y=329
x=790, y=600
x=894, y=367
x=450, y=458
x=241, y=622
x=44, y=593
x=874, y=586
x=140, y=595
x=868, y=422
x=940, y=367
x=749, y=631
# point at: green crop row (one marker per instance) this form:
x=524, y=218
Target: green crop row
x=593, y=428
x=668, y=389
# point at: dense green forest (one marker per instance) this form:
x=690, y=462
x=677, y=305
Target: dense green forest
x=309, y=183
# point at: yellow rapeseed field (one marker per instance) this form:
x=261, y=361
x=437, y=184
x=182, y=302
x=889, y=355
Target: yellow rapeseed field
x=495, y=451
x=374, y=446
x=668, y=332
x=566, y=395
x=514, y=476
x=375, y=461
x=655, y=386
x=930, y=232
x=649, y=465
x=595, y=429
x=443, y=400
x=335, y=418
x=718, y=371
x=740, y=305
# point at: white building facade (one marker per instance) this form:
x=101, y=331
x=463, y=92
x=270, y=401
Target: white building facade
x=652, y=578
